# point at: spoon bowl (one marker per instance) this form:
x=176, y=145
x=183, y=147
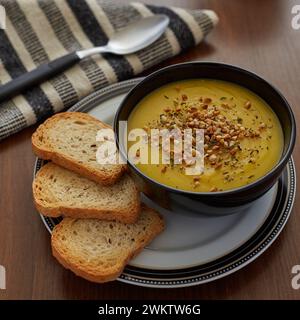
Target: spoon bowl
x=139, y=35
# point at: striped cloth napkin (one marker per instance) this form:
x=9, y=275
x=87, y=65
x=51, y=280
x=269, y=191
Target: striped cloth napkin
x=38, y=31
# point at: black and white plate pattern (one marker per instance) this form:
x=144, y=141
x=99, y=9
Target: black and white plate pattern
x=196, y=249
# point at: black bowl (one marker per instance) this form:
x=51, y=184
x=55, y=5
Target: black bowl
x=223, y=202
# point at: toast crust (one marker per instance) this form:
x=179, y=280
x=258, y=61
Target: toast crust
x=45, y=151
x=126, y=215
x=100, y=276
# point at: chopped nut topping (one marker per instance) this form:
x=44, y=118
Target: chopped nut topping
x=222, y=135
x=248, y=105
x=212, y=158
x=207, y=100
x=164, y=169
x=196, y=184
x=184, y=97
x=262, y=126
x=163, y=119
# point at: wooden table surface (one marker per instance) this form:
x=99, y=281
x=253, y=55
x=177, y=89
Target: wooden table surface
x=253, y=34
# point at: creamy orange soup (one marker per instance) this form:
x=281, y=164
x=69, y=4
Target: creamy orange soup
x=243, y=136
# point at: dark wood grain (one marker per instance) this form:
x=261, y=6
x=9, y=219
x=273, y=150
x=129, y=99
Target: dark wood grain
x=253, y=34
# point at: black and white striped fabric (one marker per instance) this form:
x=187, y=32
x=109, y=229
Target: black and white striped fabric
x=38, y=31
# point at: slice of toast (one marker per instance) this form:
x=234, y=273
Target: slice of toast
x=58, y=191
x=69, y=140
x=99, y=250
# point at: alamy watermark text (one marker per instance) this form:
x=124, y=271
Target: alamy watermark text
x=296, y=17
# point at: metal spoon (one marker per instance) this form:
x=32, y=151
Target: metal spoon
x=132, y=38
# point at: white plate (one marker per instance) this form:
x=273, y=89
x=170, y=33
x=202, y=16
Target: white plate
x=195, y=248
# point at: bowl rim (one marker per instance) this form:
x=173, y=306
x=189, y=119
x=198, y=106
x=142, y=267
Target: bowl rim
x=278, y=167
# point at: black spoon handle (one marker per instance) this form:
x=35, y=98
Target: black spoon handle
x=37, y=76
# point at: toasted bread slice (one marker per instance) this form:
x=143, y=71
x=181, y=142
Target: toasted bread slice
x=99, y=250
x=69, y=140
x=58, y=191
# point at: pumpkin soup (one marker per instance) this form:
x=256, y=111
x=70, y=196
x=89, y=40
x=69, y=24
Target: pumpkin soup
x=243, y=138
